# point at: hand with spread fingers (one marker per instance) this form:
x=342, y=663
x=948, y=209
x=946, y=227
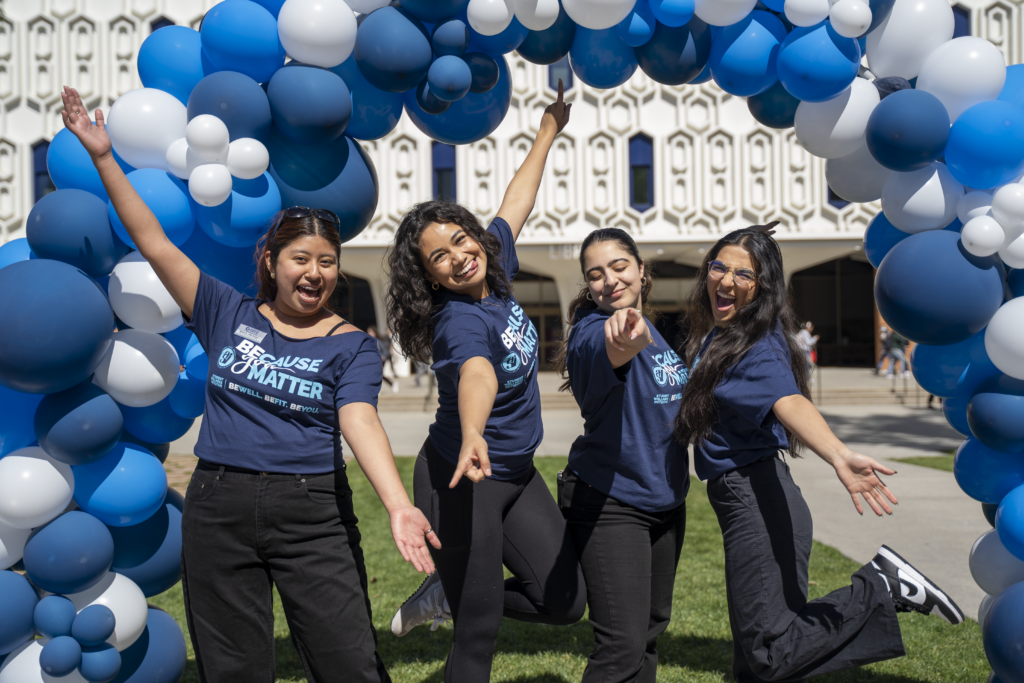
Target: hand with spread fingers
x=76, y=119
x=859, y=474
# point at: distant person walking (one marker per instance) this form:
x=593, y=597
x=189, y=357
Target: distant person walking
x=808, y=342
x=885, y=338
x=384, y=349
x=899, y=367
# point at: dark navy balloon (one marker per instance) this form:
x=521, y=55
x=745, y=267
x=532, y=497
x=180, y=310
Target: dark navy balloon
x=989, y=511
x=449, y=78
x=170, y=59
x=953, y=370
x=239, y=35
x=995, y=414
x=235, y=99
x=393, y=49
x=308, y=104
x=1003, y=634
x=70, y=554
x=434, y=11
x=375, y=113
x=600, y=58
x=246, y=215
x=158, y=656
x=450, y=38
x=550, y=45
x=79, y=425
x=93, y=625
x=984, y=474
x=149, y=553
x=160, y=450
x=502, y=43
x=816, y=63
x=156, y=423
x=17, y=603
x=60, y=656
x=907, y=130
x=72, y=226
x=100, y=663
x=1015, y=281
x=986, y=145
x=428, y=101
x=54, y=616
x=774, y=108
x=743, y=56
x=674, y=56
x=485, y=71
x=53, y=335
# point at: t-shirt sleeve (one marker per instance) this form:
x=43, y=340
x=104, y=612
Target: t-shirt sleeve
x=464, y=336
x=753, y=386
x=500, y=229
x=361, y=377
x=591, y=375
x=215, y=301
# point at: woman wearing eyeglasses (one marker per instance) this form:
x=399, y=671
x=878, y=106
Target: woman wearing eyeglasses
x=269, y=503
x=743, y=405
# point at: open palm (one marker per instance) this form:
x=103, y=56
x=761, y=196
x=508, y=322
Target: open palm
x=76, y=119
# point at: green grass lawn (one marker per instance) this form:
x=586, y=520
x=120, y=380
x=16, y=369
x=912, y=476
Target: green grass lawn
x=936, y=462
x=696, y=647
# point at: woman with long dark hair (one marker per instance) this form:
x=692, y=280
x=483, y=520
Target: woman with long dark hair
x=744, y=404
x=623, y=493
x=269, y=503
x=450, y=300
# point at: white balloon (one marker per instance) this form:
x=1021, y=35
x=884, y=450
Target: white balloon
x=962, y=73
x=925, y=199
x=366, y=6
x=536, y=15
x=602, y=14
x=143, y=123
x=982, y=236
x=1012, y=251
x=850, y=18
x=857, y=177
x=317, y=32
x=177, y=158
x=974, y=204
x=984, y=607
x=806, y=12
x=22, y=666
x=125, y=599
x=993, y=567
x=139, y=369
x=1003, y=338
x=34, y=488
x=139, y=298
x=835, y=128
x=208, y=136
x=1008, y=206
x=210, y=184
x=715, y=12
x=900, y=45
x=248, y=158
x=12, y=544
x=489, y=17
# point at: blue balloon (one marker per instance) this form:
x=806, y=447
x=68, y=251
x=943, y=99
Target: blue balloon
x=100, y=664
x=986, y=145
x=338, y=176
x=160, y=450
x=989, y=511
x=17, y=411
x=156, y=423
x=61, y=656
x=54, y=616
x=54, y=335
x=93, y=625
x=245, y=216
x=239, y=35
x=472, y=118
x=309, y=104
x=434, y=11
x=428, y=101
x=392, y=49
x=231, y=265
x=70, y=554
x=1010, y=522
x=879, y=239
x=956, y=226
x=449, y=78
x=168, y=199
x=502, y=43
x=79, y=425
x=171, y=60
x=1015, y=281
x=817, y=64
x=124, y=488
x=1003, y=634
x=638, y=26
x=71, y=167
x=72, y=226
x=1013, y=87
x=931, y=310
x=673, y=13
x=774, y=108
x=450, y=38
x=674, y=56
x=984, y=474
x=703, y=77
x=272, y=6
x=955, y=412
x=158, y=656
x=15, y=251
x=17, y=603
x=235, y=99
x=743, y=56
x=197, y=363
x=550, y=45
x=179, y=338
x=880, y=10
x=149, y=553
x=485, y=71
x=995, y=414
x=600, y=58
x=907, y=130
x=953, y=370
x=188, y=398
x=375, y=113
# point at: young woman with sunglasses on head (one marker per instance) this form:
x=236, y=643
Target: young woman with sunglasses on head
x=450, y=300
x=623, y=493
x=743, y=405
x=269, y=503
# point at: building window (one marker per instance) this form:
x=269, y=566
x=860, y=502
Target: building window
x=961, y=21
x=160, y=23
x=444, y=171
x=836, y=201
x=560, y=69
x=641, y=173
x=43, y=184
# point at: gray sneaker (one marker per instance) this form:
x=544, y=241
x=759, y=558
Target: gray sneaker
x=426, y=604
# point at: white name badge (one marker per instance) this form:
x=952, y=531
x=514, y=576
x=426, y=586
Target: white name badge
x=250, y=333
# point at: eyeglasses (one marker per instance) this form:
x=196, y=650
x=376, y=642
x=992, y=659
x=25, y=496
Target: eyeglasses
x=306, y=212
x=740, y=276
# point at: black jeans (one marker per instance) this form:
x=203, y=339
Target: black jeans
x=629, y=559
x=777, y=634
x=243, y=533
x=481, y=527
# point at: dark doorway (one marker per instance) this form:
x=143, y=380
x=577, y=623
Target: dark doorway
x=538, y=295
x=353, y=301
x=838, y=298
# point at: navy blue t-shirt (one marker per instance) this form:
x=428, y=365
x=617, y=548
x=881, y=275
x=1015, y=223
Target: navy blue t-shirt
x=627, y=450
x=746, y=429
x=499, y=331
x=272, y=401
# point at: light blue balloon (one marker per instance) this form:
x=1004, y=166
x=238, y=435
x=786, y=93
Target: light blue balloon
x=239, y=35
x=245, y=216
x=986, y=145
x=638, y=26
x=1013, y=88
x=179, y=337
x=600, y=58
x=673, y=13
x=197, y=364
x=14, y=251
x=449, y=77
x=880, y=237
x=71, y=167
x=168, y=199
x=124, y=488
x=816, y=63
x=955, y=411
x=188, y=398
x=170, y=59
x=984, y=474
x=17, y=412
x=375, y=112
x=743, y=56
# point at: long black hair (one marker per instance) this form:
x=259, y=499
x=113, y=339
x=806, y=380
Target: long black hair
x=583, y=300
x=754, y=321
x=411, y=301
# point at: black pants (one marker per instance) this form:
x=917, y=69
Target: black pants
x=629, y=559
x=243, y=533
x=481, y=527
x=777, y=634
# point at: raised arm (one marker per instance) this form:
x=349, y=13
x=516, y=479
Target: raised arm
x=857, y=472
x=177, y=273
x=521, y=194
x=478, y=387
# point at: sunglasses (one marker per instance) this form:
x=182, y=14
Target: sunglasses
x=305, y=212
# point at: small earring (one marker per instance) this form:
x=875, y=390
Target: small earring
x=273, y=276
x=434, y=286
x=643, y=282
x=589, y=298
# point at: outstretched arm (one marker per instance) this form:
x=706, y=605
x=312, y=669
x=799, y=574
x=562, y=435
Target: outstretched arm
x=857, y=472
x=521, y=194
x=625, y=335
x=478, y=387
x=177, y=273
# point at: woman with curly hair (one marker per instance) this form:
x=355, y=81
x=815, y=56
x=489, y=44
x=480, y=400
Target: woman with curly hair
x=450, y=299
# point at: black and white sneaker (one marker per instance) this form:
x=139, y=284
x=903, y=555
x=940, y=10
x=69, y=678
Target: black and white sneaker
x=911, y=591
x=426, y=604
